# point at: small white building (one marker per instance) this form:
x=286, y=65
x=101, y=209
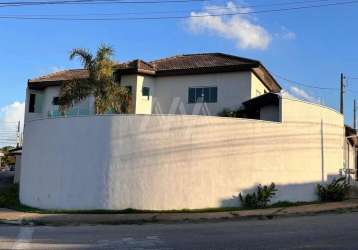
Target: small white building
x=186, y=84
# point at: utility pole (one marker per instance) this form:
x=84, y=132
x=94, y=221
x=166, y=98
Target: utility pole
x=18, y=135
x=354, y=114
x=341, y=108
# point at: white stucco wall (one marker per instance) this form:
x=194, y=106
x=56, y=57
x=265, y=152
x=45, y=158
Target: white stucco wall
x=131, y=80
x=144, y=103
x=171, y=93
x=161, y=162
x=257, y=87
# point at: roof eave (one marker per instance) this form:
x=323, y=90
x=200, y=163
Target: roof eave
x=43, y=84
x=266, y=78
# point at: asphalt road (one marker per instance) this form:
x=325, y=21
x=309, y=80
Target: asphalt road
x=338, y=231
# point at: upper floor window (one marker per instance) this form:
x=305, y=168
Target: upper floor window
x=35, y=103
x=146, y=92
x=203, y=94
x=32, y=103
x=56, y=101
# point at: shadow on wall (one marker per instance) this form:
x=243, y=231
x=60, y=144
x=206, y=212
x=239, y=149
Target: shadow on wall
x=225, y=135
x=287, y=192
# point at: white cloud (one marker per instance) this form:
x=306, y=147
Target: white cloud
x=12, y=113
x=286, y=34
x=239, y=28
x=53, y=69
x=9, y=116
x=298, y=93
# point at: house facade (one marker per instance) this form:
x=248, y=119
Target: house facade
x=190, y=159
x=200, y=84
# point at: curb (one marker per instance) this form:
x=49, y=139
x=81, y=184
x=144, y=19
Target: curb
x=139, y=219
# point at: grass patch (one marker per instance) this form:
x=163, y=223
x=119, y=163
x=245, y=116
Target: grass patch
x=292, y=204
x=9, y=198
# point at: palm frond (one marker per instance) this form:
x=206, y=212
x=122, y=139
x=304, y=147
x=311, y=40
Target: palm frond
x=84, y=55
x=73, y=92
x=104, y=52
x=109, y=96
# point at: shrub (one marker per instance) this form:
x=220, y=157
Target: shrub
x=260, y=198
x=9, y=197
x=238, y=113
x=337, y=190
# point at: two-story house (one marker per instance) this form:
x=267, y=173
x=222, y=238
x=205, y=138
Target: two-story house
x=174, y=85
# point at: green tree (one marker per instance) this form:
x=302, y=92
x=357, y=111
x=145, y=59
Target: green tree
x=109, y=95
x=7, y=159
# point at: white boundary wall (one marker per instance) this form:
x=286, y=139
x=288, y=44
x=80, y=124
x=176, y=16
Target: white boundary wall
x=162, y=162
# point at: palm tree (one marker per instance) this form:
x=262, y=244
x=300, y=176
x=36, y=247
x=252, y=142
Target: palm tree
x=109, y=95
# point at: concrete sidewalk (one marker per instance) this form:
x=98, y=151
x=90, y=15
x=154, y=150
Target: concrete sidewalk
x=21, y=218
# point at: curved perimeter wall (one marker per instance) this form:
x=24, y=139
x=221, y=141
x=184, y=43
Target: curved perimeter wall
x=164, y=162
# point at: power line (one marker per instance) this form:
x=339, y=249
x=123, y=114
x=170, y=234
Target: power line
x=89, y=2
x=182, y=10
x=303, y=84
x=175, y=17
x=81, y=2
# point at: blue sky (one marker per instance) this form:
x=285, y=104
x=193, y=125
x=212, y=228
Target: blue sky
x=312, y=46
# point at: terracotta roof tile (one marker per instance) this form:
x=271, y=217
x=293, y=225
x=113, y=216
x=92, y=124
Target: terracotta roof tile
x=63, y=75
x=193, y=61
x=176, y=65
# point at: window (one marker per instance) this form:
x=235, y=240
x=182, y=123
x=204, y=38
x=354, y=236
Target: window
x=56, y=101
x=203, y=94
x=146, y=92
x=35, y=102
x=32, y=103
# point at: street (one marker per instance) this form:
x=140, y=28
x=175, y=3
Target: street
x=333, y=231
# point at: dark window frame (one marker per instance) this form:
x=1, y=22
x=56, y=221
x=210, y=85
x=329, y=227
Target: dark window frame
x=32, y=103
x=207, y=94
x=56, y=101
x=146, y=92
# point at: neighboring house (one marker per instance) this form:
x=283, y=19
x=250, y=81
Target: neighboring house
x=350, y=152
x=186, y=84
x=17, y=153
